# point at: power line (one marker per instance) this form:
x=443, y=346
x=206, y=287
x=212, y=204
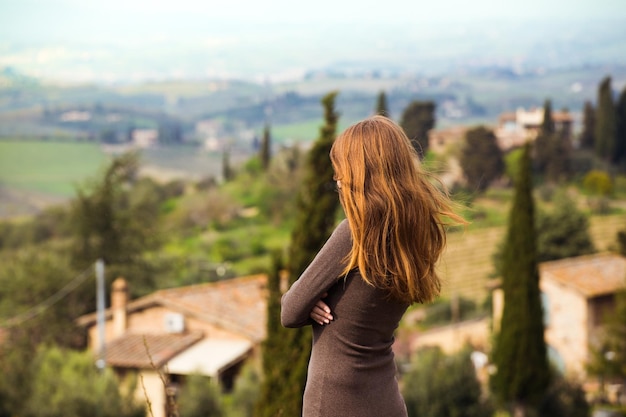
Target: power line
x=49, y=302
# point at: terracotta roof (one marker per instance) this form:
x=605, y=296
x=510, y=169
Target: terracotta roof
x=148, y=350
x=590, y=275
x=562, y=116
x=557, y=116
x=237, y=304
x=507, y=117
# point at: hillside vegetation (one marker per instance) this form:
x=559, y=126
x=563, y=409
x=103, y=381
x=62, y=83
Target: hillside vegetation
x=232, y=227
x=467, y=265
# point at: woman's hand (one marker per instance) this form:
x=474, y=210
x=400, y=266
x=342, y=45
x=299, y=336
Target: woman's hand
x=321, y=312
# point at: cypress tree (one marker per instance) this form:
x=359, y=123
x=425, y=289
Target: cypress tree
x=543, y=143
x=620, y=129
x=417, y=120
x=317, y=201
x=605, y=121
x=565, y=130
x=547, y=125
x=316, y=208
x=381, y=105
x=269, y=403
x=227, y=171
x=587, y=135
x=522, y=374
x=558, y=165
x=265, y=151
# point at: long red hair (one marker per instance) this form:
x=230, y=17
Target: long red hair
x=395, y=212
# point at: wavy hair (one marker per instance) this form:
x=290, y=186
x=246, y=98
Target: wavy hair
x=396, y=214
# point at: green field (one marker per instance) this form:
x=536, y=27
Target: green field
x=55, y=168
x=48, y=167
x=306, y=131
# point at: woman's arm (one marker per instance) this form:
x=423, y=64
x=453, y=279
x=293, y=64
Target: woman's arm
x=298, y=302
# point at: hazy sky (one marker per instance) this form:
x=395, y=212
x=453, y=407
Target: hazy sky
x=64, y=20
x=137, y=39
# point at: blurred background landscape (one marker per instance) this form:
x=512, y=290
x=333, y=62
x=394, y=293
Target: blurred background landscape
x=71, y=71
x=134, y=131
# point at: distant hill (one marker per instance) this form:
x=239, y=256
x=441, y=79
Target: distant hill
x=33, y=108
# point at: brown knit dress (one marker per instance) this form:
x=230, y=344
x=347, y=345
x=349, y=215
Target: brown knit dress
x=352, y=372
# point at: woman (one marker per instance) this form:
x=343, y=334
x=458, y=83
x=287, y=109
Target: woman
x=375, y=264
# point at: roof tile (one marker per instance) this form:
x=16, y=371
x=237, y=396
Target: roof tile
x=237, y=304
x=590, y=275
x=148, y=350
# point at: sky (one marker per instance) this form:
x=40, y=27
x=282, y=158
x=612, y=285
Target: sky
x=87, y=39
x=64, y=20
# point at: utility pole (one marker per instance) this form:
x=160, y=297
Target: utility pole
x=100, y=362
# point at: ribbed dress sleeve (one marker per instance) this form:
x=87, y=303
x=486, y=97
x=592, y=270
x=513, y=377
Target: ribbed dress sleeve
x=318, y=278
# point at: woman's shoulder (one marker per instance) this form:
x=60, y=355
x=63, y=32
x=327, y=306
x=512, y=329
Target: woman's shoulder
x=343, y=228
x=341, y=236
x=343, y=224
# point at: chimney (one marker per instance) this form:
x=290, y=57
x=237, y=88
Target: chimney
x=119, y=300
x=284, y=280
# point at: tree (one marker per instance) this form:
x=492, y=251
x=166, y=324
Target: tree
x=441, y=386
x=545, y=137
x=547, y=124
x=565, y=130
x=317, y=201
x=66, y=383
x=558, y=163
x=245, y=393
x=41, y=296
x=587, y=135
x=511, y=163
x=316, y=208
x=599, y=186
x=565, y=398
x=273, y=375
x=605, y=121
x=552, y=150
x=117, y=221
x=481, y=158
x=199, y=397
x=564, y=232
x=227, y=171
x=265, y=152
x=598, y=183
x=381, y=105
x=417, y=120
x=620, y=129
x=522, y=374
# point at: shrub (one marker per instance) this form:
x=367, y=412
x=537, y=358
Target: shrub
x=67, y=383
x=439, y=385
x=199, y=397
x=598, y=183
